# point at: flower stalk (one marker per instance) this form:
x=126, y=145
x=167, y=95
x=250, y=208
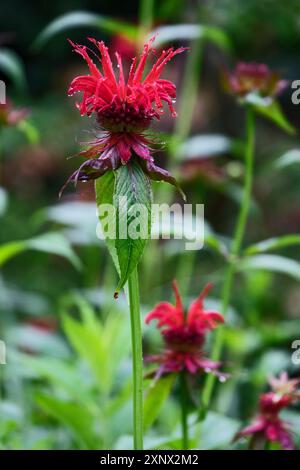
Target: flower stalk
x=189, y=91
x=145, y=19
x=120, y=160
x=184, y=411
x=137, y=359
x=236, y=246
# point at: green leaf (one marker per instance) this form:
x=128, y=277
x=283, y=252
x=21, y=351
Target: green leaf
x=12, y=66
x=218, y=37
x=182, y=32
x=83, y=19
x=27, y=337
x=273, y=244
x=156, y=395
x=272, y=362
x=274, y=263
x=52, y=242
x=134, y=186
x=93, y=341
x=204, y=146
x=217, y=244
x=31, y=132
x=217, y=431
x=56, y=244
x=9, y=250
x=289, y=158
x=104, y=188
x=270, y=109
x=62, y=375
x=86, y=339
x=77, y=418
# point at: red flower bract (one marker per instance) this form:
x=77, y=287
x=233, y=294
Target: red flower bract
x=268, y=426
x=124, y=109
x=184, y=335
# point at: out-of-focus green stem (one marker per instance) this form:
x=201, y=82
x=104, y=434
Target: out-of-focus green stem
x=189, y=91
x=184, y=411
x=137, y=359
x=145, y=20
x=235, y=249
x=183, y=123
x=186, y=105
x=145, y=23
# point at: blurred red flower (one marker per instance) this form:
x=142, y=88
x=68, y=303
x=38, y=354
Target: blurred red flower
x=124, y=109
x=123, y=45
x=184, y=335
x=252, y=77
x=268, y=426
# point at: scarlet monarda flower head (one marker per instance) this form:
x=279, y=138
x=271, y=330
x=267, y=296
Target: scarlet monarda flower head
x=184, y=335
x=124, y=109
x=253, y=78
x=268, y=426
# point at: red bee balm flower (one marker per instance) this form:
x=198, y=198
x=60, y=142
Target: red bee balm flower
x=184, y=335
x=124, y=110
x=268, y=426
x=251, y=77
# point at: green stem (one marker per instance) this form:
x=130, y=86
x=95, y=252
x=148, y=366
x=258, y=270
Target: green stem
x=137, y=359
x=235, y=249
x=243, y=215
x=186, y=107
x=145, y=19
x=189, y=91
x=184, y=411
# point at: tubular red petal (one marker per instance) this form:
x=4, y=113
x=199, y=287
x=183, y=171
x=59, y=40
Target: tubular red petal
x=161, y=62
x=167, y=315
x=81, y=50
x=121, y=75
x=106, y=61
x=178, y=302
x=143, y=59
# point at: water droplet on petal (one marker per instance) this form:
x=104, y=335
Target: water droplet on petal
x=207, y=369
x=222, y=379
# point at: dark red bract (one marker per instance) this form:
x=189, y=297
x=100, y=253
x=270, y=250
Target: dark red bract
x=184, y=335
